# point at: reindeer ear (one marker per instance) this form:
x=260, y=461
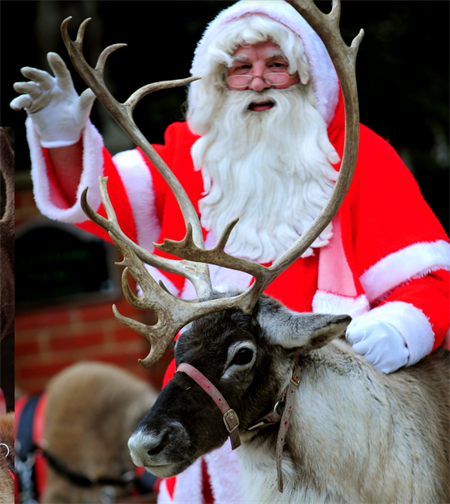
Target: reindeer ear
x=305, y=331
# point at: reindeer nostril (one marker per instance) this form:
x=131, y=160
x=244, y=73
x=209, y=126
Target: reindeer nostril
x=160, y=447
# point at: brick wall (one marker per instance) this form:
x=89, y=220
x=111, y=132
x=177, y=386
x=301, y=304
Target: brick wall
x=51, y=338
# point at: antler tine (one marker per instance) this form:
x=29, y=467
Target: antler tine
x=344, y=59
x=196, y=275
x=173, y=312
x=187, y=249
x=155, y=86
x=122, y=113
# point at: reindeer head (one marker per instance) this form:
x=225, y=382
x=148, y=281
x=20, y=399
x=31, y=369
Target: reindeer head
x=249, y=358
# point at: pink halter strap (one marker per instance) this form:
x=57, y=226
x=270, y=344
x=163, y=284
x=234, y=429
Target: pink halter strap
x=230, y=418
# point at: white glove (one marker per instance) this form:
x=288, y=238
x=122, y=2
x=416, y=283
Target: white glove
x=379, y=342
x=58, y=113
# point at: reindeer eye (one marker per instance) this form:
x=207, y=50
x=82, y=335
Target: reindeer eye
x=243, y=356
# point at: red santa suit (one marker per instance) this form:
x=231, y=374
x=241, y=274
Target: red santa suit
x=388, y=253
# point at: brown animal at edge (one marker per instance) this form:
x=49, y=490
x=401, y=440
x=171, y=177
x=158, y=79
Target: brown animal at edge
x=7, y=239
x=91, y=411
x=6, y=458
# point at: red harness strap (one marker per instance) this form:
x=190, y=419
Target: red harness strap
x=13, y=476
x=230, y=418
x=40, y=465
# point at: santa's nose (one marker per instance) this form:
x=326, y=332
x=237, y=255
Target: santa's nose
x=258, y=84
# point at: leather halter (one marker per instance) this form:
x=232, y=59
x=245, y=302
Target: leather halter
x=229, y=416
x=231, y=420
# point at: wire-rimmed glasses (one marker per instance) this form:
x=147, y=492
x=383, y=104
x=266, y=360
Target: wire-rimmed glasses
x=273, y=79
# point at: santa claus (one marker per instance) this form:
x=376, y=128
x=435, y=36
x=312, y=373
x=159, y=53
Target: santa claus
x=262, y=141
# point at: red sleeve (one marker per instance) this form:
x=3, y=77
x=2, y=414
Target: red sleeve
x=177, y=155
x=119, y=201
x=384, y=206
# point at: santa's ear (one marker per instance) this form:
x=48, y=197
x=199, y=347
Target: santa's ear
x=302, y=331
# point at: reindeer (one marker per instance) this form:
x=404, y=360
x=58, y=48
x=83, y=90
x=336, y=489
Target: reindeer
x=91, y=409
x=307, y=409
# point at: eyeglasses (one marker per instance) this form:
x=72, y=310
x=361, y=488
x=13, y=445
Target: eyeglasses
x=273, y=79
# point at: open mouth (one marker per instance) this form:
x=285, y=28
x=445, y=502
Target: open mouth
x=261, y=106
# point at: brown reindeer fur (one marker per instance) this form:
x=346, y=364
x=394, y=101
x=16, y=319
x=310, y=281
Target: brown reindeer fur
x=7, y=239
x=7, y=437
x=356, y=436
x=91, y=411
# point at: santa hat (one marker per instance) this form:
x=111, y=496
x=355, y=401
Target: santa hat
x=325, y=80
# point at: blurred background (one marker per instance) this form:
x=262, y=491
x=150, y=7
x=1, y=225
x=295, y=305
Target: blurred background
x=402, y=70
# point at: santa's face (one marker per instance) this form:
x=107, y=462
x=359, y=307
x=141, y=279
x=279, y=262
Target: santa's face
x=258, y=67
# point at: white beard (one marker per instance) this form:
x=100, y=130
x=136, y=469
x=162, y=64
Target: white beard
x=271, y=169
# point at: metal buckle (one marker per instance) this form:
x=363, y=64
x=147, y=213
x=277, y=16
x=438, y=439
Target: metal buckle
x=231, y=420
x=296, y=383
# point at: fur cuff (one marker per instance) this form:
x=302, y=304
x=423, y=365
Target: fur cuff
x=92, y=170
x=411, y=262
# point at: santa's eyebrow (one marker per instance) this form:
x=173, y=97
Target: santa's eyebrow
x=276, y=54
x=240, y=59
x=245, y=59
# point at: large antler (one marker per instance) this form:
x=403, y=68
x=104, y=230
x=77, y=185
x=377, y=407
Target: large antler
x=174, y=313
x=123, y=115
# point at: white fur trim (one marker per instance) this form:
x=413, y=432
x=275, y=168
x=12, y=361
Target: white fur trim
x=411, y=262
x=163, y=494
x=188, y=488
x=326, y=87
x=136, y=178
x=225, y=475
x=328, y=302
x=410, y=322
x=92, y=170
x=57, y=143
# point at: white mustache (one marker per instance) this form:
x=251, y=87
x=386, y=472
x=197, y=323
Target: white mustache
x=245, y=98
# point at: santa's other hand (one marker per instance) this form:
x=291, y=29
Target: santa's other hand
x=58, y=113
x=380, y=343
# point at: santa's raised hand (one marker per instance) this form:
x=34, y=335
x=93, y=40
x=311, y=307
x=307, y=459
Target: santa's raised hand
x=58, y=113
